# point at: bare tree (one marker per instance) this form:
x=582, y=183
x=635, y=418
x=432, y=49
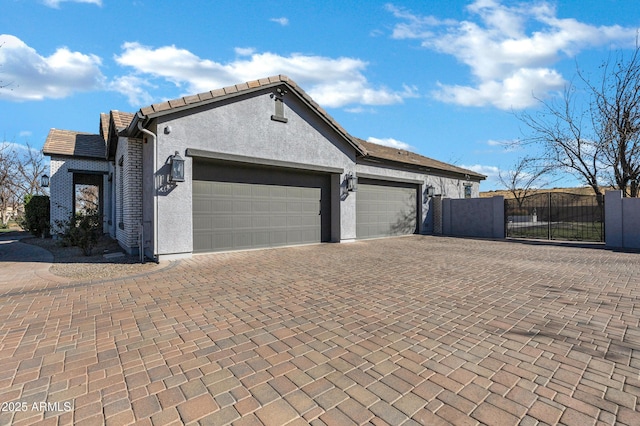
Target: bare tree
x=31, y=167
x=616, y=109
x=564, y=131
x=596, y=139
x=20, y=171
x=87, y=199
x=8, y=161
x=526, y=175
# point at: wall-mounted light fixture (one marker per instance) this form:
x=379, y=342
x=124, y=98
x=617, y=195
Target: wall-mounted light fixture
x=352, y=183
x=44, y=181
x=177, y=168
x=429, y=191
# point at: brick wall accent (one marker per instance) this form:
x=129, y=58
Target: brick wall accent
x=128, y=193
x=61, y=185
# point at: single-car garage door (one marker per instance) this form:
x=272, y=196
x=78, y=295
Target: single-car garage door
x=385, y=208
x=236, y=207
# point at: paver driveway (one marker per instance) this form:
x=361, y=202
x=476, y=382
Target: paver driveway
x=414, y=330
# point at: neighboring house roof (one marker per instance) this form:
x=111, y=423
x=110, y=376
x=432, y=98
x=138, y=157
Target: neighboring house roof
x=397, y=155
x=217, y=95
x=76, y=144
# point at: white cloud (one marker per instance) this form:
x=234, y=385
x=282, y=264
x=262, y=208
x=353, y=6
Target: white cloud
x=282, y=21
x=393, y=143
x=332, y=82
x=30, y=76
x=490, y=171
x=510, y=50
x=134, y=88
x=244, y=51
x=56, y=3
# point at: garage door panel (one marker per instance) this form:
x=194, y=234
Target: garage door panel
x=242, y=215
x=385, y=209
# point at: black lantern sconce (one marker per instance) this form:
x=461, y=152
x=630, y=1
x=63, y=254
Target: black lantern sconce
x=177, y=168
x=430, y=191
x=352, y=183
x=44, y=181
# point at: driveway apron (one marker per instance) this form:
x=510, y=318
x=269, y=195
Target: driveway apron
x=23, y=264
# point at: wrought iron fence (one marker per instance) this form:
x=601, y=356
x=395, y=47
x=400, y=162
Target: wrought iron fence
x=555, y=216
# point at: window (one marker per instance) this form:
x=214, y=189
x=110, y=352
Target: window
x=467, y=191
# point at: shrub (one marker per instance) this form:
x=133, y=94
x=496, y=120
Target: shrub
x=36, y=215
x=82, y=230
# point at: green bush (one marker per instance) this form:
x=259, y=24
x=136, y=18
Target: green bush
x=82, y=230
x=36, y=215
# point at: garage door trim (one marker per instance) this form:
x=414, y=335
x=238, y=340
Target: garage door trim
x=200, y=153
x=383, y=179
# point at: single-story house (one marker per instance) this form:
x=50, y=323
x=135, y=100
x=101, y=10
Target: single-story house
x=258, y=164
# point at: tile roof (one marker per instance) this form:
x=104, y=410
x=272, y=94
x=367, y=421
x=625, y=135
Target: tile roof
x=121, y=119
x=104, y=125
x=407, y=157
x=77, y=144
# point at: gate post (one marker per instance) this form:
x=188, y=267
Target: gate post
x=549, y=217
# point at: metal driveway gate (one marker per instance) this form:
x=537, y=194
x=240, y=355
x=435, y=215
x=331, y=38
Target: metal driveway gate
x=555, y=216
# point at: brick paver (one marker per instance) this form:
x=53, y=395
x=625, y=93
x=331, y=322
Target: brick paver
x=415, y=330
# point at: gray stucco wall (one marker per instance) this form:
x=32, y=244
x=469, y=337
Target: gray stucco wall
x=473, y=217
x=622, y=221
x=243, y=128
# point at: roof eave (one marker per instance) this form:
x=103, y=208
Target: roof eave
x=462, y=173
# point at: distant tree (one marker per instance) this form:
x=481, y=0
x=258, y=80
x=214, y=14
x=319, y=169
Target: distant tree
x=526, y=175
x=596, y=139
x=616, y=106
x=87, y=198
x=20, y=172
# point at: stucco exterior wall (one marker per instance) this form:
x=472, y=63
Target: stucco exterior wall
x=473, y=217
x=622, y=221
x=61, y=186
x=244, y=128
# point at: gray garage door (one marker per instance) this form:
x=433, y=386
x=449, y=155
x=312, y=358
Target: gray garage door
x=242, y=208
x=385, y=209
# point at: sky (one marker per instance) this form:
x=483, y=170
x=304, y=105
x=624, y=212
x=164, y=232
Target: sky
x=446, y=79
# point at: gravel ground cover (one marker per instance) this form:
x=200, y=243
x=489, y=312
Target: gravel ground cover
x=69, y=262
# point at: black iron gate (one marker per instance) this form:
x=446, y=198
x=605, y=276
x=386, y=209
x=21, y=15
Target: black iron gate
x=555, y=216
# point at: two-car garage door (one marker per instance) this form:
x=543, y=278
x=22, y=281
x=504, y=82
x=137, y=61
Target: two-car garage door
x=251, y=207
x=241, y=207
x=385, y=208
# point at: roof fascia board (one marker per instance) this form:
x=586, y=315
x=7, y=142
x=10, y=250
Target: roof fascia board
x=376, y=161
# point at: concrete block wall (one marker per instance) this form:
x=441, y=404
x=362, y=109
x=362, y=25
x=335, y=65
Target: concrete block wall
x=472, y=217
x=622, y=221
x=61, y=185
x=128, y=193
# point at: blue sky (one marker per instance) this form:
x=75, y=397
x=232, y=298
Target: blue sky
x=441, y=78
